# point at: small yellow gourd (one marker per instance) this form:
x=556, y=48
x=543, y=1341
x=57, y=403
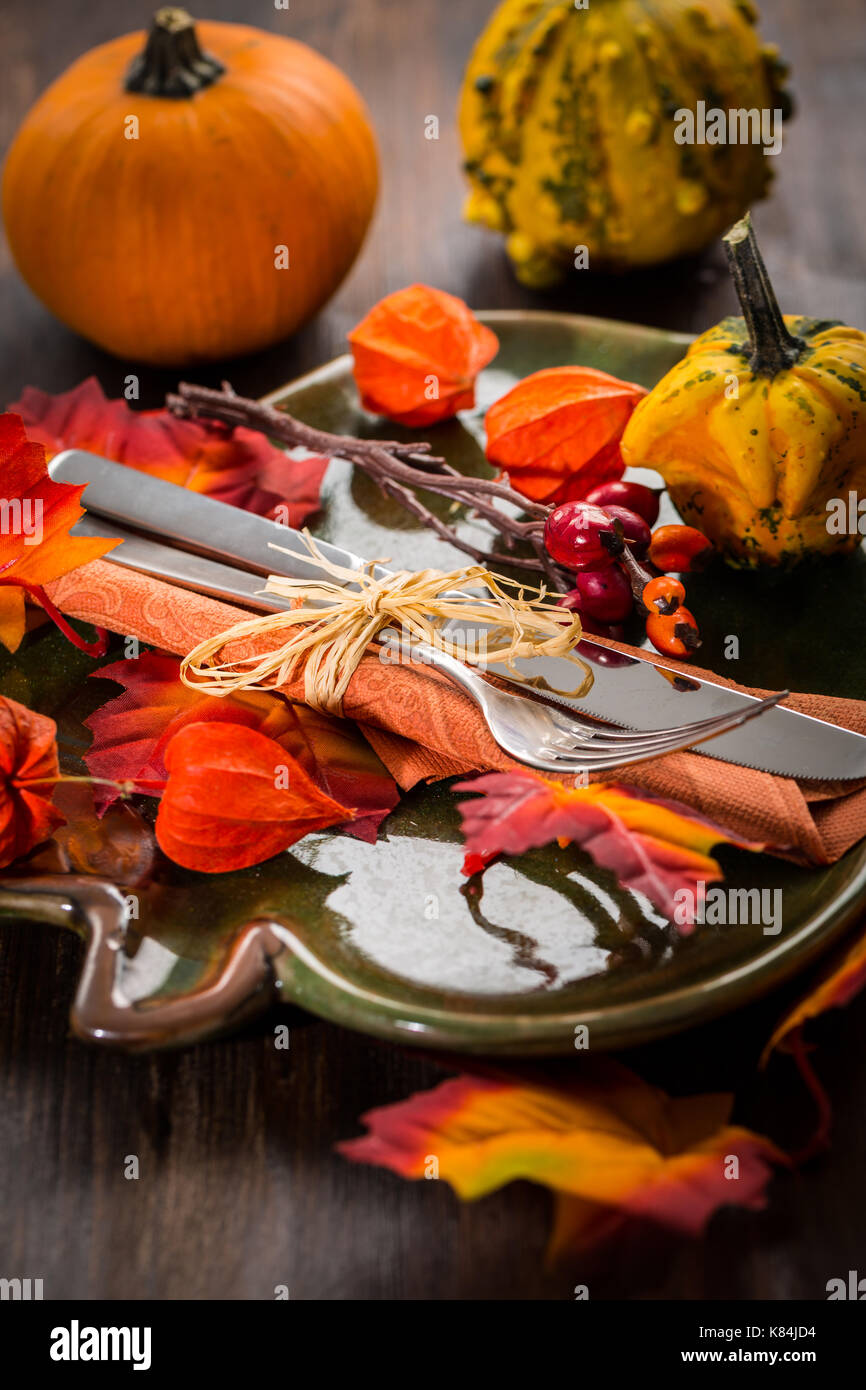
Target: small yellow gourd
x=760, y=431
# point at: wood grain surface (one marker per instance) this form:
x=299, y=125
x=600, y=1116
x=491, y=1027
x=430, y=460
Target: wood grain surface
x=239, y=1189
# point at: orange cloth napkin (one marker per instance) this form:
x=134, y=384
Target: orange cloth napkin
x=424, y=728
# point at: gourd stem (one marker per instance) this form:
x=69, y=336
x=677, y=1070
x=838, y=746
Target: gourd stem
x=772, y=349
x=172, y=64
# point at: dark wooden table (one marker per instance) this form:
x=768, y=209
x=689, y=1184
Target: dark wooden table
x=239, y=1189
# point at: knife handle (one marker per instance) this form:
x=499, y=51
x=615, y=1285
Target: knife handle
x=188, y=520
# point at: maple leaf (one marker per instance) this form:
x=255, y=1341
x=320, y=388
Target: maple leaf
x=655, y=847
x=841, y=979
x=338, y=758
x=609, y=1145
x=132, y=731
x=35, y=516
x=28, y=771
x=235, y=798
x=237, y=466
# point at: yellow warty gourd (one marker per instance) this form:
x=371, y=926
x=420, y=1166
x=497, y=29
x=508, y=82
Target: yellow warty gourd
x=569, y=120
x=760, y=431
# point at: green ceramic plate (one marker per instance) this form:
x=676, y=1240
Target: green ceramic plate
x=390, y=939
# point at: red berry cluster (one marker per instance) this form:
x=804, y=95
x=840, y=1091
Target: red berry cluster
x=618, y=561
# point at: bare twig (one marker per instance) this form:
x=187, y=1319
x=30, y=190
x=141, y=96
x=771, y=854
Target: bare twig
x=398, y=470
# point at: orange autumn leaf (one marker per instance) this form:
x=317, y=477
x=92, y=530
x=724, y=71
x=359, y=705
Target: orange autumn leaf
x=237, y=466
x=28, y=770
x=417, y=354
x=132, y=731
x=35, y=545
x=655, y=847
x=609, y=1144
x=234, y=798
x=556, y=433
x=840, y=981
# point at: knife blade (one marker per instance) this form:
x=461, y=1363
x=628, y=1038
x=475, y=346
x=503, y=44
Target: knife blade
x=192, y=540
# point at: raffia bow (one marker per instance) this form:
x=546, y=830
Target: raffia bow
x=332, y=627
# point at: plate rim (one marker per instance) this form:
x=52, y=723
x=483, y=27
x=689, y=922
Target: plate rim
x=335, y=365
x=610, y=1028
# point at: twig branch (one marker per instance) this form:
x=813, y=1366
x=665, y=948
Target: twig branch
x=397, y=469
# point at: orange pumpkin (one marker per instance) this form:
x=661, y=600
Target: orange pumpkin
x=192, y=194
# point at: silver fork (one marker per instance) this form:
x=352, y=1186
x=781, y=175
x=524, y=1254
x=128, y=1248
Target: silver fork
x=545, y=736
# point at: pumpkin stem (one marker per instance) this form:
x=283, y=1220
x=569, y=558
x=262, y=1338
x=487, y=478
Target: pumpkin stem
x=771, y=347
x=172, y=64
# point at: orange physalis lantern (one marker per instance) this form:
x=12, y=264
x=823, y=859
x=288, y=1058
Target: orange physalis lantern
x=417, y=354
x=556, y=433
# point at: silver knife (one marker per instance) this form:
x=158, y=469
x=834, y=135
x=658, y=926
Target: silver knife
x=196, y=542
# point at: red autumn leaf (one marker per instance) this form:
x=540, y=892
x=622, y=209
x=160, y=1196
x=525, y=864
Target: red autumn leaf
x=556, y=433
x=235, y=798
x=28, y=769
x=128, y=731
x=132, y=731
x=609, y=1145
x=337, y=757
x=658, y=848
x=236, y=466
x=417, y=354
x=35, y=545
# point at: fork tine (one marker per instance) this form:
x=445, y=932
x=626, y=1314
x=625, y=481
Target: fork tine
x=606, y=733
x=650, y=745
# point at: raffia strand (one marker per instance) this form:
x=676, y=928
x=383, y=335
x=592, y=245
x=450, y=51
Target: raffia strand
x=332, y=626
